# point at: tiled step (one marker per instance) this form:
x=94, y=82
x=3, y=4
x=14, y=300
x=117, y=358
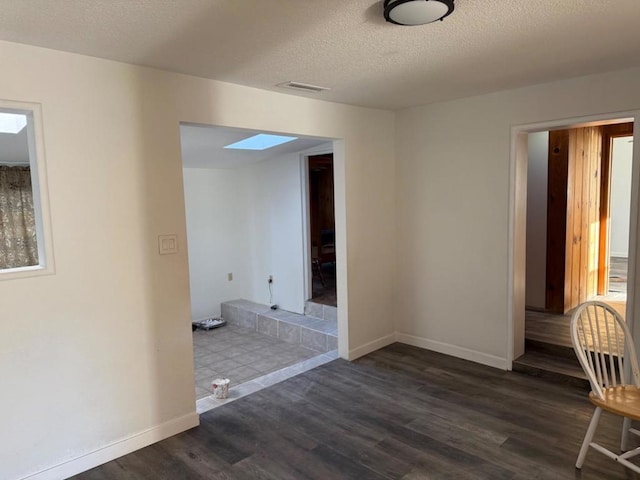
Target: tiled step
x=319, y=310
x=316, y=333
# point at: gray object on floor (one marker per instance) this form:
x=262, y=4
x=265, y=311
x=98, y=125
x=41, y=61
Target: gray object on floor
x=210, y=323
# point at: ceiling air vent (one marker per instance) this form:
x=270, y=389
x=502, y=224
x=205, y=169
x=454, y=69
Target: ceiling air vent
x=305, y=87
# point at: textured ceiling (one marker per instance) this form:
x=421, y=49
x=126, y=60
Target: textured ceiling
x=203, y=147
x=485, y=45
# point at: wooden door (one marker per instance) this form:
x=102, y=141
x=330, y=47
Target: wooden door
x=558, y=171
x=573, y=217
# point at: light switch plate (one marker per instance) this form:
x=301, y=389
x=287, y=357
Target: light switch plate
x=167, y=244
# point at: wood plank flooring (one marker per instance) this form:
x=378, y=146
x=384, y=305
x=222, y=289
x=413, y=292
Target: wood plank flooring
x=398, y=413
x=548, y=348
x=548, y=328
x=555, y=329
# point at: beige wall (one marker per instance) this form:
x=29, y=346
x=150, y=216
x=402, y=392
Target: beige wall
x=101, y=350
x=453, y=207
x=217, y=210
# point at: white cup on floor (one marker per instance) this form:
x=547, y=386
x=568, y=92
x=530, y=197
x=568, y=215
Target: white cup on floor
x=221, y=388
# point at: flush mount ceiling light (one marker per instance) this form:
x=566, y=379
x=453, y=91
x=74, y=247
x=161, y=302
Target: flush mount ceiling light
x=416, y=12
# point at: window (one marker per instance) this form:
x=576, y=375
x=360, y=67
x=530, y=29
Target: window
x=25, y=240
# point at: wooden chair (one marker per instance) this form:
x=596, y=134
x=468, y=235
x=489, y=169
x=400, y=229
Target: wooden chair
x=604, y=347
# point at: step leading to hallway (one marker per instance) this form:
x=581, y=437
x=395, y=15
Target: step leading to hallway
x=548, y=350
x=317, y=333
x=551, y=366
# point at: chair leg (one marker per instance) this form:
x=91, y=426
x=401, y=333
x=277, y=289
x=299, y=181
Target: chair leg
x=591, y=431
x=318, y=269
x=624, y=441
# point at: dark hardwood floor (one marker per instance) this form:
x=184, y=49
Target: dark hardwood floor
x=398, y=413
x=548, y=348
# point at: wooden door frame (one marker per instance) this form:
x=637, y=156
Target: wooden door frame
x=558, y=176
x=609, y=132
x=518, y=218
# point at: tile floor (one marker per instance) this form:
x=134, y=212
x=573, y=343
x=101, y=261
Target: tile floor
x=252, y=386
x=241, y=355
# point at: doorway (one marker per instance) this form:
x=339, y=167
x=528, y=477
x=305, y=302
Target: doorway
x=569, y=223
x=615, y=212
x=245, y=208
x=569, y=227
x=322, y=234
x=582, y=210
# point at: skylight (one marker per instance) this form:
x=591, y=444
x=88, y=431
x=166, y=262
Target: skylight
x=261, y=141
x=12, y=122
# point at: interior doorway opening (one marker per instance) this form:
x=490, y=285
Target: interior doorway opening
x=621, y=161
x=565, y=209
x=322, y=233
x=246, y=212
x=578, y=202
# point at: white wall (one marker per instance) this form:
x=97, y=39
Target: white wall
x=537, y=175
x=453, y=207
x=246, y=221
x=98, y=357
x=277, y=231
x=217, y=206
x=620, y=196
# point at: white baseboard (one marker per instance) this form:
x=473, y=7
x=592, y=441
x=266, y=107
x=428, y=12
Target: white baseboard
x=371, y=346
x=453, y=350
x=118, y=448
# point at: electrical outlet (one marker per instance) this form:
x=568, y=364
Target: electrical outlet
x=270, y=278
x=230, y=277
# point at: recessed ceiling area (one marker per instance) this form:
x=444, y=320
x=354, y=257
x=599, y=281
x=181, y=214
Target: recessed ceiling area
x=483, y=46
x=203, y=147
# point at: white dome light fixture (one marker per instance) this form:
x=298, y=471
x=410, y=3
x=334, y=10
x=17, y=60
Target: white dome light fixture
x=416, y=12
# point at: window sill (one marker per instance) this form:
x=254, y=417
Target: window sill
x=23, y=272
